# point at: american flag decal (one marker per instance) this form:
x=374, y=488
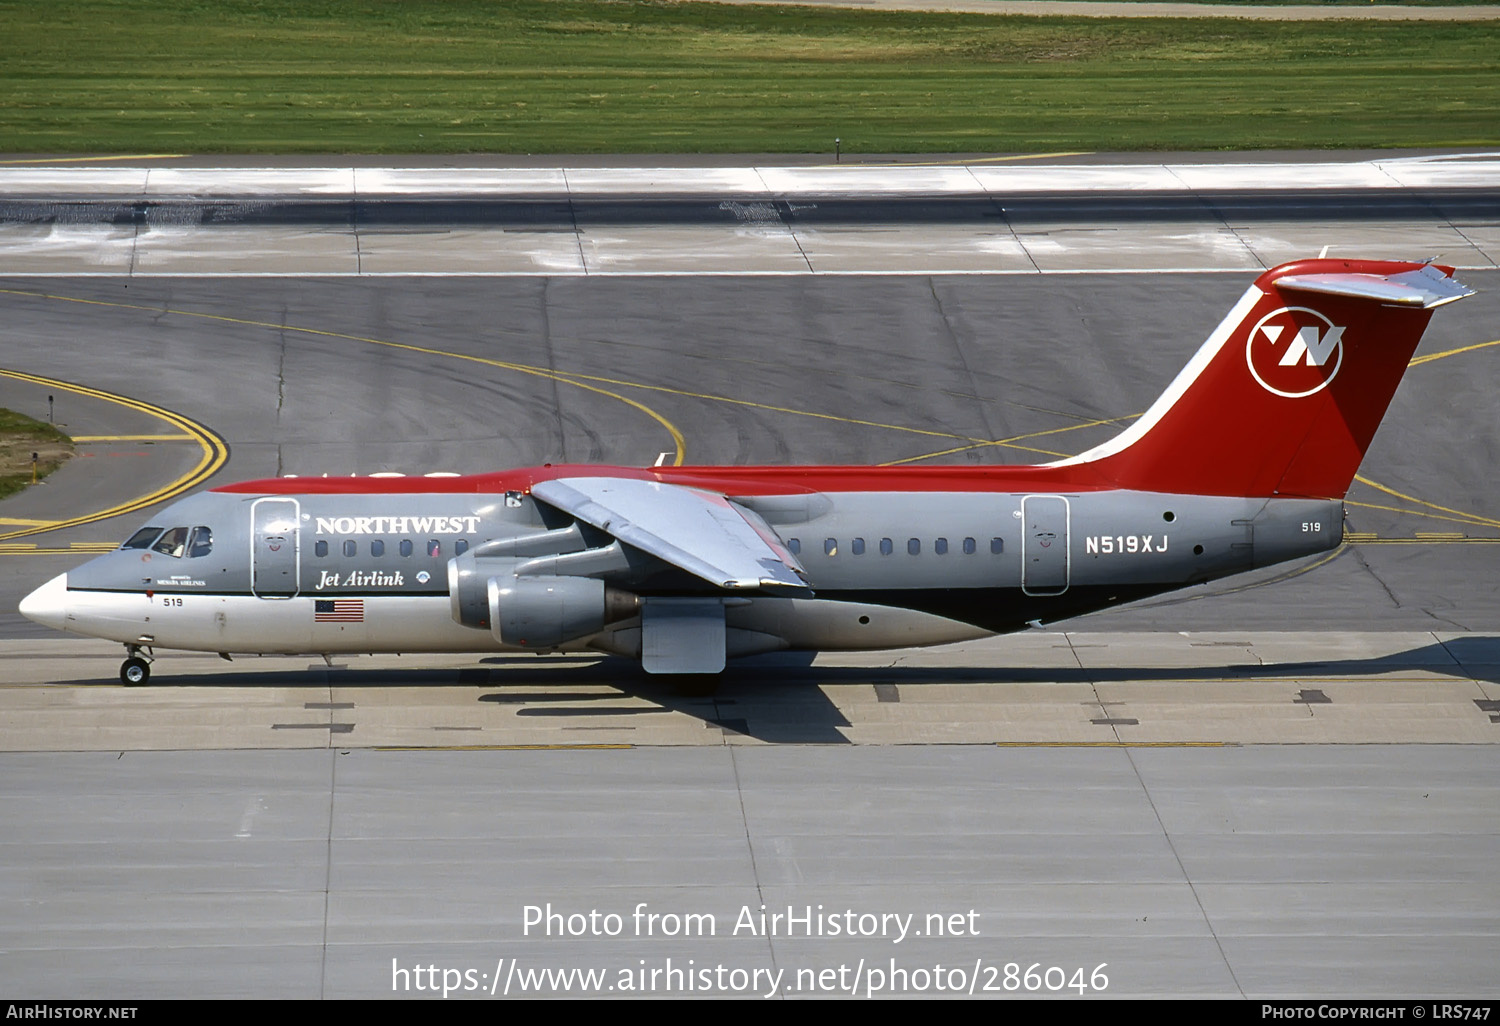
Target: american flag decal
x=339, y=611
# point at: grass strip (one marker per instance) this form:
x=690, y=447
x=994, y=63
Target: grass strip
x=20, y=436
x=526, y=76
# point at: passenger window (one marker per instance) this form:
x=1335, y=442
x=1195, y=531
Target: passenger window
x=202, y=543
x=913, y=546
x=434, y=548
x=377, y=547
x=997, y=546
x=857, y=547
x=794, y=546
x=142, y=539
x=830, y=546
x=320, y=549
x=886, y=548
x=970, y=547
x=173, y=542
x=940, y=546
x=461, y=546
x=406, y=546
x=350, y=548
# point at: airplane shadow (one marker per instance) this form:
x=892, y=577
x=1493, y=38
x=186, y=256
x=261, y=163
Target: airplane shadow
x=777, y=698
x=750, y=701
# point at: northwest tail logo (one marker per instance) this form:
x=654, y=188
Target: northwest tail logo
x=1295, y=352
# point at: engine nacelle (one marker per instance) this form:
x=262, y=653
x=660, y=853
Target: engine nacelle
x=468, y=594
x=469, y=578
x=544, y=612
x=469, y=573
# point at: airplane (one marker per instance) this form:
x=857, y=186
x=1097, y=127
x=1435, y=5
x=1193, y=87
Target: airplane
x=1243, y=462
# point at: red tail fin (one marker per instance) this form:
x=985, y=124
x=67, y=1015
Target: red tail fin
x=1287, y=392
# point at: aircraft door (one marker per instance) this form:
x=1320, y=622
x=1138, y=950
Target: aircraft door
x=1044, y=545
x=274, y=555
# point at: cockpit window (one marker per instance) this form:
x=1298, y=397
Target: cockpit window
x=173, y=542
x=142, y=539
x=202, y=543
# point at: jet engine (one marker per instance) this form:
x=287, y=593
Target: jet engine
x=544, y=612
x=529, y=600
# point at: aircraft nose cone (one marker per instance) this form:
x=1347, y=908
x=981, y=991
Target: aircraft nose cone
x=48, y=605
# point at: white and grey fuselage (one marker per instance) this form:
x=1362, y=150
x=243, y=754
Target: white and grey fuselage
x=233, y=573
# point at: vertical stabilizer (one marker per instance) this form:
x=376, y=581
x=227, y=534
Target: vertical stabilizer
x=1287, y=392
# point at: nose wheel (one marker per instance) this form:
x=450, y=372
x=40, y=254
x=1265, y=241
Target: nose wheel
x=135, y=670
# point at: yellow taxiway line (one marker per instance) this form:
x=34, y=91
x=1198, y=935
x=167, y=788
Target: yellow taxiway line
x=576, y=381
x=215, y=453
x=1116, y=744
x=94, y=160
x=855, y=162
x=134, y=438
x=500, y=748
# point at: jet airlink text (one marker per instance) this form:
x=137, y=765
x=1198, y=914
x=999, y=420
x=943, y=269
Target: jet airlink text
x=397, y=525
x=360, y=579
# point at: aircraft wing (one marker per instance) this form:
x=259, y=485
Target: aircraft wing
x=704, y=533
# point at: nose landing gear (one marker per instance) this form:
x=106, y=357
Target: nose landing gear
x=136, y=670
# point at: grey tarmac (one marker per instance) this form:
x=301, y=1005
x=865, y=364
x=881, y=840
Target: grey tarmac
x=1259, y=872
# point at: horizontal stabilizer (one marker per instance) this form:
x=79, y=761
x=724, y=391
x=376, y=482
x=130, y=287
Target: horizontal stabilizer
x=700, y=532
x=1426, y=287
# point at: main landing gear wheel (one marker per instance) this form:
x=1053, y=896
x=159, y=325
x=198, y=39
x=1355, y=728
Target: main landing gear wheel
x=135, y=671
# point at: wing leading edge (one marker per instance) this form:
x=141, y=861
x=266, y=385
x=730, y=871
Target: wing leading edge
x=703, y=533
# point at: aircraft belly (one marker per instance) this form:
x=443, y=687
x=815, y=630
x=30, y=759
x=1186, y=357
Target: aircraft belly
x=847, y=625
x=422, y=623
x=244, y=623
